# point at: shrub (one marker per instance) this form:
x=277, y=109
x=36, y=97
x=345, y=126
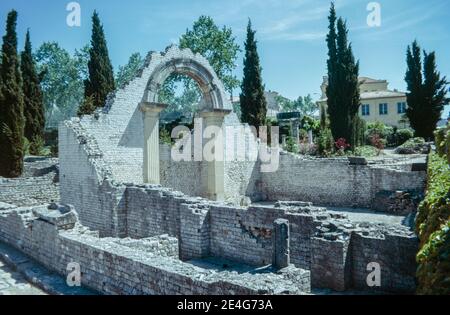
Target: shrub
x=377, y=142
x=164, y=136
x=309, y=123
x=378, y=128
x=307, y=149
x=432, y=227
x=26, y=146
x=440, y=141
x=341, y=145
x=291, y=145
x=37, y=145
x=325, y=142
x=402, y=135
x=366, y=151
x=303, y=134
x=359, y=131
x=434, y=263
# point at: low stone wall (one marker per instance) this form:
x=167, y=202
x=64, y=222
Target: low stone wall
x=38, y=184
x=117, y=266
x=334, y=182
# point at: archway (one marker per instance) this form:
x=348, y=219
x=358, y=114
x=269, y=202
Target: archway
x=213, y=109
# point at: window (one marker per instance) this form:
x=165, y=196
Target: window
x=401, y=107
x=383, y=109
x=365, y=110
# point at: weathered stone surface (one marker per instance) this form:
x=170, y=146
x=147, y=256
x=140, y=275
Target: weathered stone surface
x=281, y=255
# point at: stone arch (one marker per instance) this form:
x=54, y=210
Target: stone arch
x=183, y=61
x=213, y=109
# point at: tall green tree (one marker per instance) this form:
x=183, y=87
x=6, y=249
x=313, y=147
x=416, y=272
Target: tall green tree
x=11, y=104
x=252, y=99
x=413, y=78
x=218, y=45
x=426, y=95
x=62, y=80
x=101, y=76
x=343, y=97
x=33, y=100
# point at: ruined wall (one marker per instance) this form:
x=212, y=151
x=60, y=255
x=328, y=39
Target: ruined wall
x=38, y=184
x=117, y=266
x=398, y=277
x=333, y=182
x=85, y=181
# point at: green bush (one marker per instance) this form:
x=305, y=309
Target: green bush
x=164, y=136
x=440, y=141
x=448, y=144
x=433, y=273
x=366, y=151
x=432, y=228
x=386, y=133
x=309, y=123
x=358, y=132
x=402, y=135
x=325, y=142
x=37, y=146
x=291, y=146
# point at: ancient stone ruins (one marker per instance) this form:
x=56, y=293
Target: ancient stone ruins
x=138, y=222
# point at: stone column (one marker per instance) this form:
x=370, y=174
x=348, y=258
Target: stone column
x=214, y=181
x=295, y=124
x=151, y=140
x=281, y=253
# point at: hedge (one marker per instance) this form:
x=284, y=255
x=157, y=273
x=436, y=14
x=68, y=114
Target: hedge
x=433, y=228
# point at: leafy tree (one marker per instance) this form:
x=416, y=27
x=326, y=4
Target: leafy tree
x=343, y=98
x=101, y=77
x=127, y=72
x=305, y=105
x=252, y=99
x=61, y=80
x=215, y=44
x=33, y=100
x=218, y=46
x=11, y=104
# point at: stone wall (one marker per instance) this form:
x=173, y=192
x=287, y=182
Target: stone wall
x=333, y=182
x=38, y=184
x=118, y=266
x=86, y=181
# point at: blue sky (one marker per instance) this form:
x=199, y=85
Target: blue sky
x=291, y=33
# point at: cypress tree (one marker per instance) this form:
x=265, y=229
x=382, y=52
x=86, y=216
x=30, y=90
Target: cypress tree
x=343, y=98
x=426, y=95
x=101, y=75
x=434, y=92
x=333, y=110
x=11, y=104
x=252, y=99
x=413, y=77
x=33, y=99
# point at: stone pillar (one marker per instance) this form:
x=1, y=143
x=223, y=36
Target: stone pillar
x=281, y=254
x=295, y=124
x=214, y=181
x=151, y=140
